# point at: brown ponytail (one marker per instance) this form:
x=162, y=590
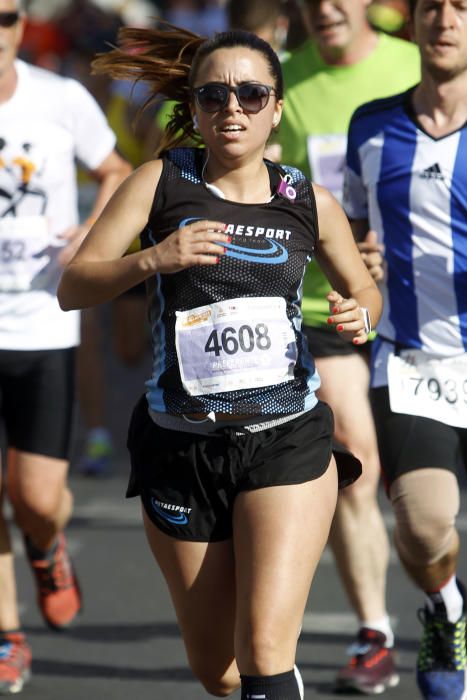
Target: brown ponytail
x=161, y=58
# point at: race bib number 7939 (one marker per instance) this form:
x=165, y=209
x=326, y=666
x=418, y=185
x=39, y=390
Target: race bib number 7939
x=427, y=386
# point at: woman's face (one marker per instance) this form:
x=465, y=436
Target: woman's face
x=232, y=130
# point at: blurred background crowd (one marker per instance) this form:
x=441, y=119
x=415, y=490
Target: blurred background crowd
x=61, y=33
x=65, y=35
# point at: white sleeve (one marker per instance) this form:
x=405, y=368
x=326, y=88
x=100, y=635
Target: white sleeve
x=93, y=137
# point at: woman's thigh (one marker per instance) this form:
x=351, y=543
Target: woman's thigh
x=279, y=535
x=201, y=581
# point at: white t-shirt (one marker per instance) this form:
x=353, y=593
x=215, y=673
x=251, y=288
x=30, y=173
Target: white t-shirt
x=48, y=125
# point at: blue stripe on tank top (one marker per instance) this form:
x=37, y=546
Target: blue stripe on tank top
x=459, y=232
x=399, y=153
x=155, y=395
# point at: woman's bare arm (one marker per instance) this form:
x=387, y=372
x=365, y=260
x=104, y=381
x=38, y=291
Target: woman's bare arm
x=100, y=271
x=339, y=257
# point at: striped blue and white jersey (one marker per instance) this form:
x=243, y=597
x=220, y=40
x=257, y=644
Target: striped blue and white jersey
x=412, y=188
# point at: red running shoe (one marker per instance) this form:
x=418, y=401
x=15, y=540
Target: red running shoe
x=15, y=662
x=371, y=669
x=59, y=596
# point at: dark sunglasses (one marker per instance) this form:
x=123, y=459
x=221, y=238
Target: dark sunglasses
x=252, y=97
x=8, y=19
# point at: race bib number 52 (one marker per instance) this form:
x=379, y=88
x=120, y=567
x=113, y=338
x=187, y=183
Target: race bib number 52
x=23, y=240
x=235, y=344
x=432, y=387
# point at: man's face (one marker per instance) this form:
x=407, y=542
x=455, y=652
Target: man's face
x=440, y=30
x=335, y=25
x=10, y=37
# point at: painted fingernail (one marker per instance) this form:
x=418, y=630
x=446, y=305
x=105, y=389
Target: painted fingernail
x=217, y=259
x=229, y=239
x=356, y=341
x=340, y=327
x=335, y=310
x=330, y=320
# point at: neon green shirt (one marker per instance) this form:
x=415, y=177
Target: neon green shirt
x=319, y=102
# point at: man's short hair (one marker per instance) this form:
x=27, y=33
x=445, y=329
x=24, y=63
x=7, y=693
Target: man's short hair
x=252, y=15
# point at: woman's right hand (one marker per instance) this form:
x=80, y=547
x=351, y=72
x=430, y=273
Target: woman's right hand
x=198, y=243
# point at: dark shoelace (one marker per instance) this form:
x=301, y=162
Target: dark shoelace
x=55, y=575
x=443, y=643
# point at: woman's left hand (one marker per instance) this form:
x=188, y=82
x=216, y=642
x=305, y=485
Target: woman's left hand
x=347, y=317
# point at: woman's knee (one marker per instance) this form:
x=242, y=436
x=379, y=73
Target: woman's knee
x=217, y=682
x=426, y=503
x=263, y=651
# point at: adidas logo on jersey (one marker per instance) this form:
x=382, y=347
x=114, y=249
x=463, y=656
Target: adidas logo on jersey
x=432, y=173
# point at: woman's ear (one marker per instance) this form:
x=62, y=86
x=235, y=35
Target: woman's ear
x=278, y=114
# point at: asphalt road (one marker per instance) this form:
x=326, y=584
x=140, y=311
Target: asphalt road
x=126, y=643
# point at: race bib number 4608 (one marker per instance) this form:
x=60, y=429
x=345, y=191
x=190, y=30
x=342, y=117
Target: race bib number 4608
x=432, y=387
x=235, y=344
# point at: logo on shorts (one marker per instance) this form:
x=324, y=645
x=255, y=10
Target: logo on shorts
x=176, y=515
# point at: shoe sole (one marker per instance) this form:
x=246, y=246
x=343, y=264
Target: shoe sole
x=346, y=686
x=17, y=687
x=64, y=627
x=464, y=694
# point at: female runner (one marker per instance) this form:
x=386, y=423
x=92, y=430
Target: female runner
x=231, y=451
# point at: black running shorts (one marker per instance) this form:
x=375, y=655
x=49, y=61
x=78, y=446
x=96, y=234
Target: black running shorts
x=36, y=400
x=325, y=342
x=407, y=443
x=188, y=482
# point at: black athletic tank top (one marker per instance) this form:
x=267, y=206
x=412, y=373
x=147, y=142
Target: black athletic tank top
x=271, y=246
